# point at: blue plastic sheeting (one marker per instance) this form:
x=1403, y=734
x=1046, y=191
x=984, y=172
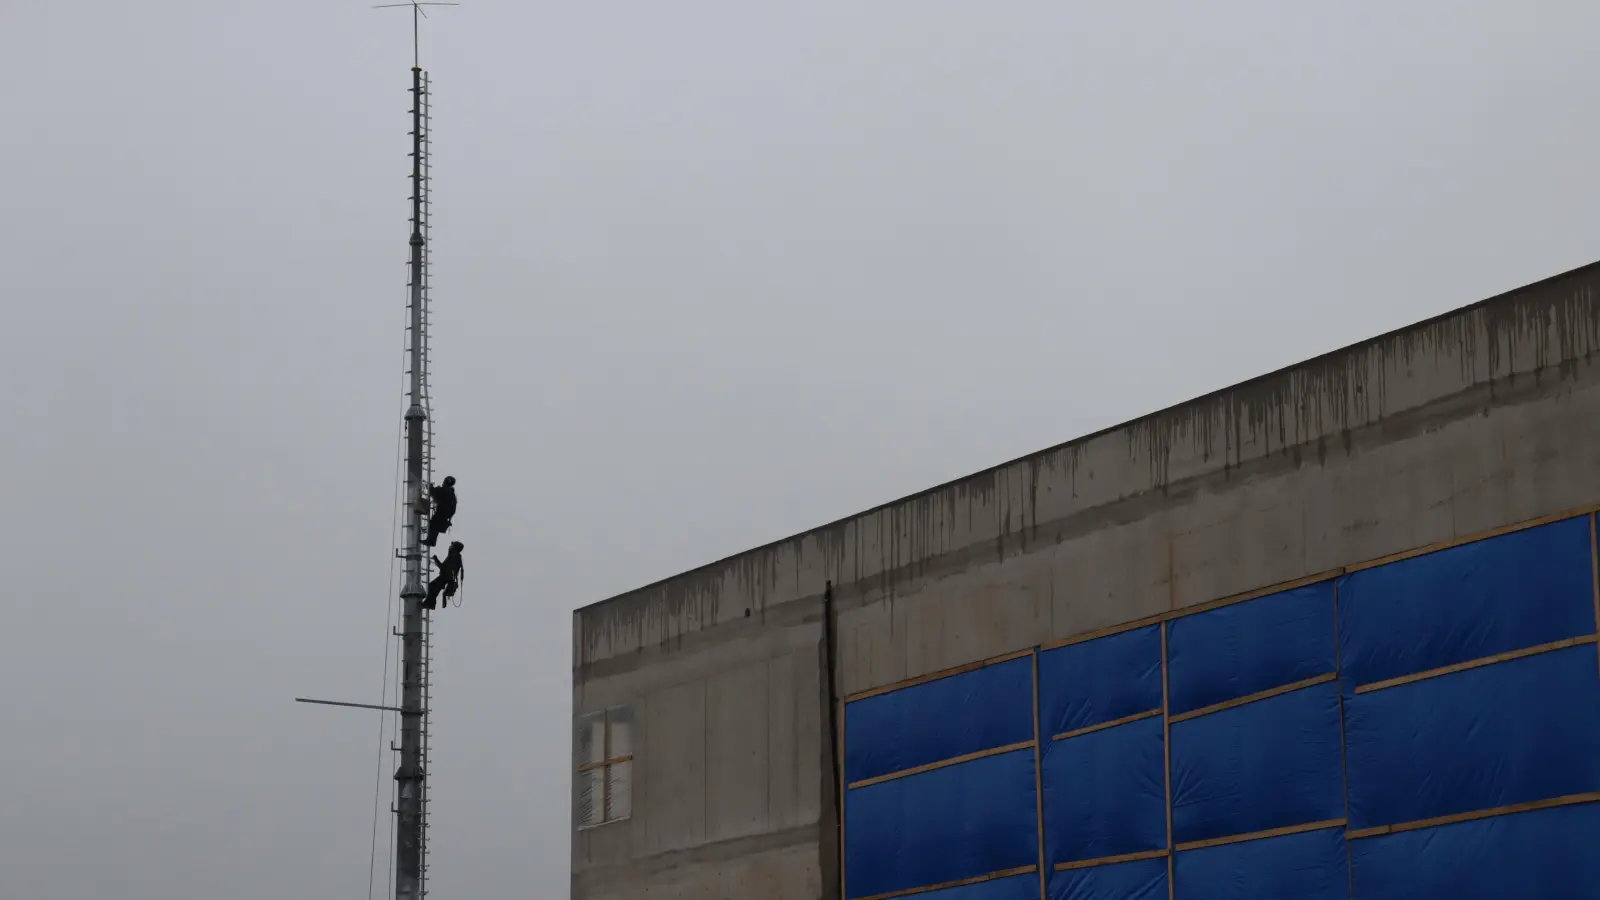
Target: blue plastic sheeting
x=1100, y=680
x=1267, y=764
x=937, y=720
x=1505, y=593
x=1015, y=887
x=1307, y=866
x=1512, y=732
x=1145, y=879
x=1248, y=647
x=1549, y=855
x=951, y=823
x=1105, y=793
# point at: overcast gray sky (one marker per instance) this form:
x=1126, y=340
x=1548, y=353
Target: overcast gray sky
x=706, y=274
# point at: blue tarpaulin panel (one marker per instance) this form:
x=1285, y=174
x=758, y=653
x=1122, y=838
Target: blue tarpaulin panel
x=1105, y=793
x=1267, y=764
x=1248, y=647
x=1501, y=734
x=1512, y=732
x=1307, y=866
x=942, y=719
x=1505, y=593
x=1550, y=854
x=1015, y=887
x=1100, y=680
x=1145, y=879
x=956, y=822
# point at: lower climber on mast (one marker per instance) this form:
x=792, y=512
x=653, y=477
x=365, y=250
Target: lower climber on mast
x=444, y=508
x=449, y=578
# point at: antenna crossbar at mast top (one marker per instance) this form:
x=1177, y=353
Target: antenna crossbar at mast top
x=416, y=15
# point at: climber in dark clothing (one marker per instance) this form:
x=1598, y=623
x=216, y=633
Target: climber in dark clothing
x=444, y=508
x=449, y=577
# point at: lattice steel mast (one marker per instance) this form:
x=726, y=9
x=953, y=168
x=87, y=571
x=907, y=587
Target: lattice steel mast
x=411, y=794
x=411, y=776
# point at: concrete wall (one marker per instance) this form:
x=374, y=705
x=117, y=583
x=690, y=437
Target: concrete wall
x=1481, y=418
x=730, y=750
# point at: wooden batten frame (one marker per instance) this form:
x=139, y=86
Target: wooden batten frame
x=1257, y=593
x=1107, y=631
x=940, y=764
x=1259, y=835
x=1038, y=779
x=842, y=791
x=935, y=676
x=992, y=876
x=1269, y=693
x=590, y=767
x=1478, y=663
x=1091, y=729
x=1110, y=860
x=1166, y=757
x=1357, y=834
x=1344, y=762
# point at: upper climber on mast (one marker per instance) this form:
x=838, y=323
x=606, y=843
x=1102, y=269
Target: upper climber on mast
x=443, y=500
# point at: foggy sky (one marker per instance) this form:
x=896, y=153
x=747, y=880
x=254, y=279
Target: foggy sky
x=706, y=274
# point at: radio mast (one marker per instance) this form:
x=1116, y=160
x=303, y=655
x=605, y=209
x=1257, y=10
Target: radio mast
x=411, y=777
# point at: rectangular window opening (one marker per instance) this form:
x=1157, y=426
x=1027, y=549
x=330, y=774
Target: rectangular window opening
x=604, y=766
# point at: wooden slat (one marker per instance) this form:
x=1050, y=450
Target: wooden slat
x=590, y=767
x=1344, y=762
x=1091, y=729
x=1038, y=778
x=1478, y=663
x=1258, y=835
x=929, y=767
x=840, y=774
x=1594, y=565
x=1251, y=698
x=1109, y=860
x=1258, y=593
x=1471, y=538
x=912, y=892
x=1553, y=802
x=1166, y=755
x=1108, y=631
x=935, y=676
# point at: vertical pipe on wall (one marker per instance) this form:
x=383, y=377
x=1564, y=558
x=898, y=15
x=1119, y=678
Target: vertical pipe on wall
x=835, y=713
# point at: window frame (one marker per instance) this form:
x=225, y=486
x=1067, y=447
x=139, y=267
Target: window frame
x=609, y=718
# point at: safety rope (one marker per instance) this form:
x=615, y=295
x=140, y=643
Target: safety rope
x=388, y=626
x=388, y=632
x=461, y=587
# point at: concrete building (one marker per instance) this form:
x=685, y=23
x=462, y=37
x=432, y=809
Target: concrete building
x=707, y=709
